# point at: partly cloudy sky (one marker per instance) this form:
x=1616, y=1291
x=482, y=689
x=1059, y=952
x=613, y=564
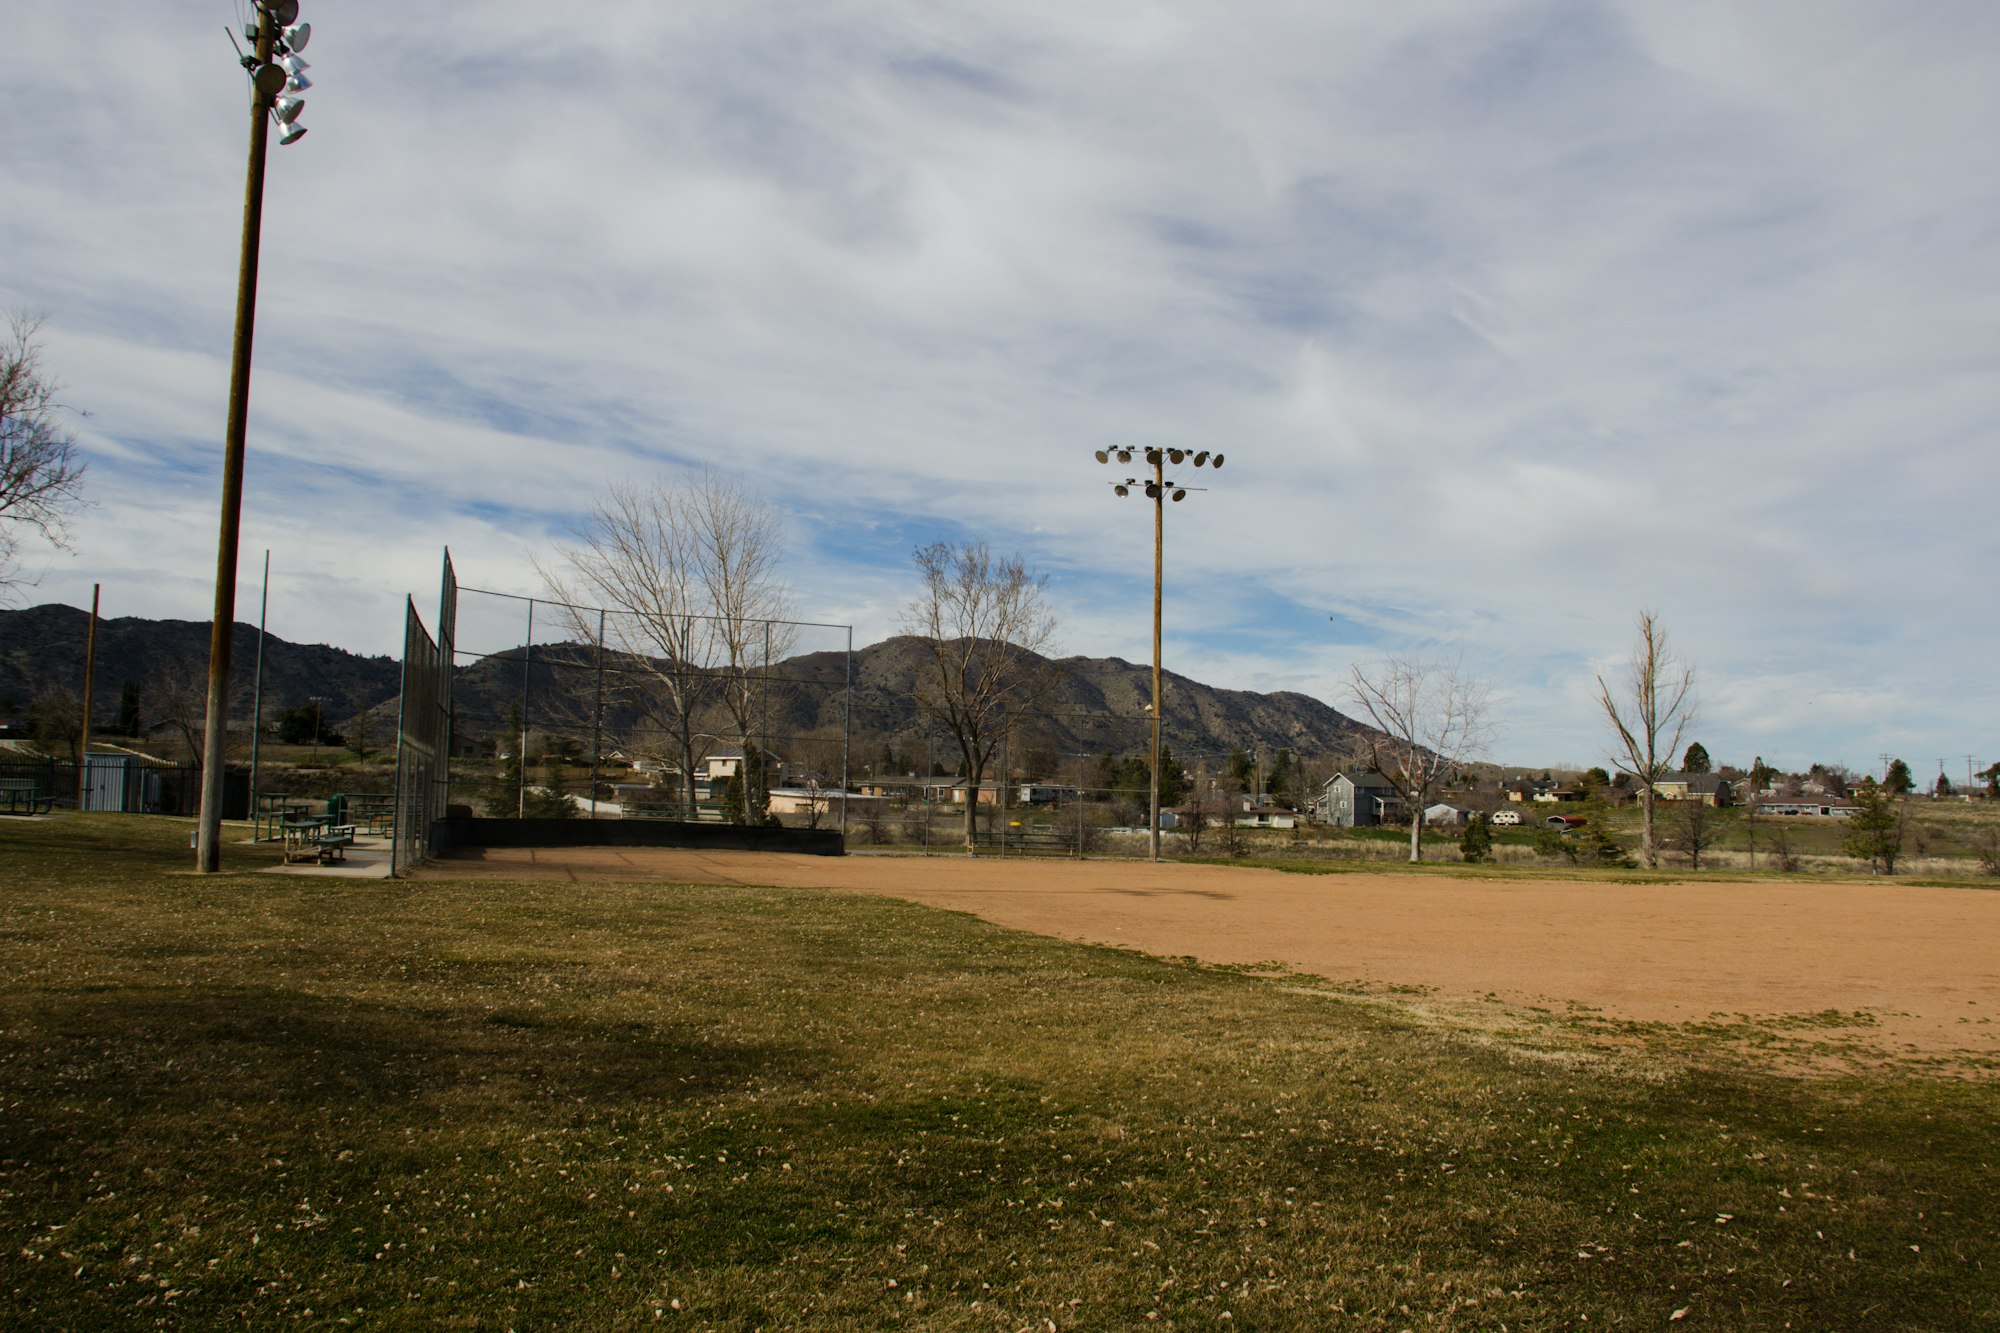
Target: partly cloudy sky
x=1512, y=317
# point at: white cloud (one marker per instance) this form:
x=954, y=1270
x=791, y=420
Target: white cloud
x=1511, y=318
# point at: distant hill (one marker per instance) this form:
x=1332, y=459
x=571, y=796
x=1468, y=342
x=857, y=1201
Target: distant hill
x=42, y=649
x=1099, y=704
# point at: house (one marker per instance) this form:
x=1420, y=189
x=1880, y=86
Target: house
x=714, y=773
x=988, y=793
x=1359, y=800
x=1829, y=808
x=1708, y=788
x=826, y=802
x=1558, y=796
x=1262, y=816
x=1444, y=813
x=1523, y=790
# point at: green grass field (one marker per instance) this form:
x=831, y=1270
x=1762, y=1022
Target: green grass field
x=263, y=1100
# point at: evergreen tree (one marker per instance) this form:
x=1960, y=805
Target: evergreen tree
x=1992, y=776
x=1476, y=844
x=1898, y=781
x=1283, y=779
x=1239, y=771
x=1761, y=774
x=1875, y=829
x=1943, y=788
x=1696, y=759
x=128, y=709
x=1173, y=778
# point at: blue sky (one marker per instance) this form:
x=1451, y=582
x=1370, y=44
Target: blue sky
x=1512, y=318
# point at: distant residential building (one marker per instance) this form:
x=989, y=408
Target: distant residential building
x=1359, y=800
x=1826, y=808
x=1708, y=788
x=1264, y=816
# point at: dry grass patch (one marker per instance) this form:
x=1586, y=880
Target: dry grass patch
x=443, y=1104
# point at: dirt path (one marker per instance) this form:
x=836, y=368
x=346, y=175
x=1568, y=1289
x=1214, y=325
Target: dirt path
x=1923, y=964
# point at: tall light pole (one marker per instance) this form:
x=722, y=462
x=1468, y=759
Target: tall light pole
x=1158, y=489
x=276, y=75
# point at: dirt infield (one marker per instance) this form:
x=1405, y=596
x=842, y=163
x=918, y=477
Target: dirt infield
x=1917, y=970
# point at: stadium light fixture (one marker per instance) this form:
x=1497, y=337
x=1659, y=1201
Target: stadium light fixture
x=273, y=67
x=1157, y=489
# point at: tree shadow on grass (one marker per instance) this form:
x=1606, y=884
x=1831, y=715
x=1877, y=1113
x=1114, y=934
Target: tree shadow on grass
x=115, y=1061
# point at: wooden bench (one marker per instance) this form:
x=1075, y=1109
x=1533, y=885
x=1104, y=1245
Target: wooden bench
x=24, y=796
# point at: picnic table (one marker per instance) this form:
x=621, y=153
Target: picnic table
x=373, y=811
x=272, y=814
x=315, y=839
x=24, y=796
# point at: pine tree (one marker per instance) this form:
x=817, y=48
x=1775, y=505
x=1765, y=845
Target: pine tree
x=1898, y=782
x=128, y=709
x=1476, y=844
x=1696, y=759
x=1875, y=829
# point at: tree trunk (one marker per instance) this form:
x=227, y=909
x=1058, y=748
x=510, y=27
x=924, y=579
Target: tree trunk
x=1416, y=833
x=973, y=770
x=1647, y=845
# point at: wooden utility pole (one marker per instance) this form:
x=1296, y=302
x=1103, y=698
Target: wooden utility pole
x=89, y=674
x=267, y=81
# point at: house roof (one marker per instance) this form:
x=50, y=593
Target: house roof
x=1698, y=782
x=1373, y=781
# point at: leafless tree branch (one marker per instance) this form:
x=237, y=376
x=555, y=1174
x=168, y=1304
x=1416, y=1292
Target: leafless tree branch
x=41, y=469
x=1659, y=692
x=1431, y=716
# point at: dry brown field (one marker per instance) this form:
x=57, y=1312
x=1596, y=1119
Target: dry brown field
x=1851, y=969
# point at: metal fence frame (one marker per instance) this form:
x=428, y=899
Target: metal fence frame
x=424, y=727
x=600, y=649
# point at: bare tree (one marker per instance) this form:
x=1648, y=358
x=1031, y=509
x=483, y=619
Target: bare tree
x=177, y=701
x=690, y=576
x=1660, y=696
x=739, y=551
x=1431, y=717
x=41, y=470
x=986, y=629
x=1696, y=829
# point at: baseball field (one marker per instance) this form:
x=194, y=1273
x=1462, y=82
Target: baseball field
x=617, y=1091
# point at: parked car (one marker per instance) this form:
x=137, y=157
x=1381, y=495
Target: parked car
x=1504, y=817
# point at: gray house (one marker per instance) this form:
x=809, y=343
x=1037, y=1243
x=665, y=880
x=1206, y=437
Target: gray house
x=1358, y=800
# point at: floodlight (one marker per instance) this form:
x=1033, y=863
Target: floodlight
x=294, y=65
x=1201, y=459
x=288, y=108
x=1122, y=488
x=298, y=83
x=1103, y=457
x=1176, y=456
x=286, y=12
x=1216, y=461
x=1152, y=490
x=292, y=133
x=1179, y=495
x=1124, y=455
x=1153, y=457
x=296, y=36
x=268, y=80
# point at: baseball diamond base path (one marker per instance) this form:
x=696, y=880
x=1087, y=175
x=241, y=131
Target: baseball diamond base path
x=1922, y=964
